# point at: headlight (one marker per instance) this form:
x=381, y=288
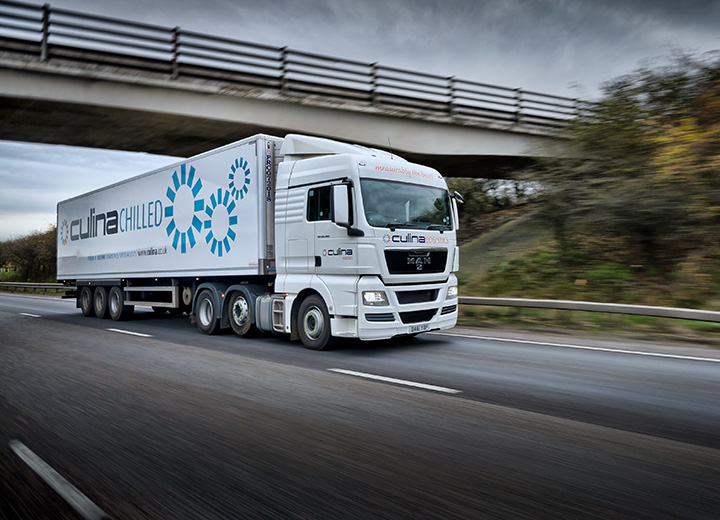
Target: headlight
x=452, y=292
x=374, y=298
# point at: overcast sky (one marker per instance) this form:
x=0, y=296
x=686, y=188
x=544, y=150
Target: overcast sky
x=564, y=47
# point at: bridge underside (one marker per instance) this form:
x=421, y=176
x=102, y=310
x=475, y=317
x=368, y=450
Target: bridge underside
x=183, y=136
x=53, y=105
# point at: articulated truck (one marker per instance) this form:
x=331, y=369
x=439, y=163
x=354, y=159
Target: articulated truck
x=303, y=236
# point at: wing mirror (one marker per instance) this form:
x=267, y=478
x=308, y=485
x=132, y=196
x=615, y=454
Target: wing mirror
x=341, y=209
x=341, y=204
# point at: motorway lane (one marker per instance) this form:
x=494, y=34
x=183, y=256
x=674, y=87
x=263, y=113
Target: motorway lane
x=676, y=399
x=182, y=425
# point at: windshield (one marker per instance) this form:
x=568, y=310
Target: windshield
x=401, y=205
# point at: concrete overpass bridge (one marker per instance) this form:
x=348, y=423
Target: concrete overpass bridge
x=78, y=79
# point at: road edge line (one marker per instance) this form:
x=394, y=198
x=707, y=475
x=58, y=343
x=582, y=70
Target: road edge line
x=581, y=347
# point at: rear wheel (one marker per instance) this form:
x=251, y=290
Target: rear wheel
x=100, y=302
x=239, y=315
x=116, y=305
x=86, y=301
x=313, y=324
x=205, y=316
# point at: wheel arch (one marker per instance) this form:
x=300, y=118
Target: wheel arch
x=217, y=290
x=294, y=335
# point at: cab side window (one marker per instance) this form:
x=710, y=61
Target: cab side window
x=319, y=204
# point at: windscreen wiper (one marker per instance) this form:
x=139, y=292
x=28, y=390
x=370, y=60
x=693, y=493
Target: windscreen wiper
x=410, y=225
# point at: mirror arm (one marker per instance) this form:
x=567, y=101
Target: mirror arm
x=351, y=231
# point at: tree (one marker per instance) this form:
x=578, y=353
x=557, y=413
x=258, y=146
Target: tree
x=4, y=260
x=33, y=255
x=645, y=164
x=488, y=195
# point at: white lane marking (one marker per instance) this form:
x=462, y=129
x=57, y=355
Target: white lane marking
x=30, y=315
x=131, y=333
x=396, y=381
x=73, y=496
x=583, y=347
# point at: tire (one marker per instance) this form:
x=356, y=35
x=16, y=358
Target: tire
x=86, y=301
x=116, y=305
x=100, y=302
x=313, y=324
x=239, y=315
x=205, y=317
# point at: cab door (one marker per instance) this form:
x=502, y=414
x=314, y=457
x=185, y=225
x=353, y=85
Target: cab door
x=335, y=252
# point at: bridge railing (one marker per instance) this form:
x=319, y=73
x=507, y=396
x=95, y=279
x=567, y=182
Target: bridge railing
x=51, y=33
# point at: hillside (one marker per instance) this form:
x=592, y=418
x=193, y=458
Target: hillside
x=505, y=235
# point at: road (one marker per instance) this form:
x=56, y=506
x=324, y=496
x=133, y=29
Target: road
x=174, y=424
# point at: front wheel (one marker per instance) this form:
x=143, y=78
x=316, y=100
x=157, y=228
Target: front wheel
x=313, y=323
x=205, y=316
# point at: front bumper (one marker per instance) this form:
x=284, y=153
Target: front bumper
x=411, y=309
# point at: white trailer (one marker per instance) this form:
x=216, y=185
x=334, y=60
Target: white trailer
x=298, y=235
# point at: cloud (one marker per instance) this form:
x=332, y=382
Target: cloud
x=31, y=222
x=36, y=177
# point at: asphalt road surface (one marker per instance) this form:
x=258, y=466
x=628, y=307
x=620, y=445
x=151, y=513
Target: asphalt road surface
x=172, y=424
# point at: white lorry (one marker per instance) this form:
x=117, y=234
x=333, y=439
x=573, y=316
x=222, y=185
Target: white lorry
x=298, y=235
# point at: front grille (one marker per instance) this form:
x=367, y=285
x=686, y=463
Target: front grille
x=415, y=261
x=449, y=309
x=417, y=316
x=426, y=295
x=380, y=316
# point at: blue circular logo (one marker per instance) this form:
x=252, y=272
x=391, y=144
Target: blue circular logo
x=183, y=208
x=220, y=222
x=239, y=178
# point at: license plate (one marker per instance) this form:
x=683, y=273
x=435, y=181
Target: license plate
x=419, y=328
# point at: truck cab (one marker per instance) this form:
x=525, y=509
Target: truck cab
x=365, y=244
